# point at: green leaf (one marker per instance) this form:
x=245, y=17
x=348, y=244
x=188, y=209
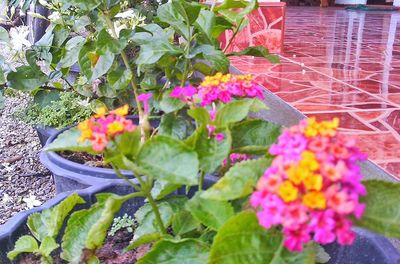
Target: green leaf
x=49, y=222
x=321, y=256
x=152, y=52
x=203, y=68
x=72, y=48
x=107, y=44
x=243, y=240
x=26, y=78
x=46, y=97
x=170, y=160
x=229, y=4
x=210, y=151
x=47, y=246
x=381, y=219
x=88, y=228
x=185, y=251
x=169, y=104
x=174, y=126
x=23, y=244
x=145, y=239
x=188, y=10
x=120, y=78
x=163, y=188
x=125, y=145
x=239, y=181
x=216, y=57
x=211, y=213
x=146, y=219
x=201, y=116
x=254, y=136
x=68, y=140
x=183, y=222
x=92, y=64
x=234, y=111
x=168, y=14
x=235, y=16
x=256, y=51
x=205, y=23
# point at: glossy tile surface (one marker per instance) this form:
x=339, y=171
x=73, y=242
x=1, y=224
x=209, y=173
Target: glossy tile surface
x=346, y=64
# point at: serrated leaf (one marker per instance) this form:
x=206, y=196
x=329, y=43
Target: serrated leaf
x=169, y=104
x=174, y=126
x=243, y=240
x=234, y=111
x=254, y=136
x=47, y=246
x=49, y=222
x=210, y=151
x=183, y=222
x=239, y=181
x=145, y=239
x=88, y=228
x=147, y=219
x=23, y=244
x=381, y=219
x=211, y=213
x=163, y=188
x=68, y=140
x=185, y=251
x=170, y=160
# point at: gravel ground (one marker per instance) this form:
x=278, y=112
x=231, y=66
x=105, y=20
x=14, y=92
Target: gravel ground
x=22, y=175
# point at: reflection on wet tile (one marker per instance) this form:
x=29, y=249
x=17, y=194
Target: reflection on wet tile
x=335, y=65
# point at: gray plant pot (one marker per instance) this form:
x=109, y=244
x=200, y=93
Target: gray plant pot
x=16, y=226
x=44, y=133
x=369, y=248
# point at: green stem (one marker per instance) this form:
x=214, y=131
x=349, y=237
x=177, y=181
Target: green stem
x=122, y=176
x=277, y=255
x=201, y=180
x=234, y=35
x=157, y=213
x=133, y=80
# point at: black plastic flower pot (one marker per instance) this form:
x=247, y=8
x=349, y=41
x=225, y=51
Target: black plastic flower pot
x=369, y=248
x=44, y=133
x=16, y=226
x=70, y=176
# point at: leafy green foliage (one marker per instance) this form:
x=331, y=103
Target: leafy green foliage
x=254, y=136
x=183, y=251
x=26, y=78
x=210, y=151
x=236, y=111
x=381, y=219
x=65, y=109
x=257, y=51
x=124, y=222
x=23, y=244
x=88, y=228
x=175, y=126
x=211, y=213
x=183, y=222
x=251, y=243
x=68, y=140
x=239, y=181
x=168, y=159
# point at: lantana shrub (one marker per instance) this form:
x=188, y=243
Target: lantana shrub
x=279, y=193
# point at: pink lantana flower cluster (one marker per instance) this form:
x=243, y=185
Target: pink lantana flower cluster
x=102, y=128
x=221, y=88
x=313, y=186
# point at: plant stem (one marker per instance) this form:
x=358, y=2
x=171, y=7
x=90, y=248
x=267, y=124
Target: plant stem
x=201, y=180
x=133, y=80
x=277, y=255
x=122, y=176
x=234, y=35
x=157, y=213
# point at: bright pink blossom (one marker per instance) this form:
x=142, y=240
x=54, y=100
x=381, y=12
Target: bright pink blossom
x=144, y=98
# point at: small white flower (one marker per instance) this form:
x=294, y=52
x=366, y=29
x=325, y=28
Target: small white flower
x=127, y=14
x=54, y=16
x=6, y=198
x=31, y=201
x=18, y=37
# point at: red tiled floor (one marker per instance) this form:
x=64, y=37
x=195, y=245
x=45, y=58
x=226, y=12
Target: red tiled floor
x=335, y=64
